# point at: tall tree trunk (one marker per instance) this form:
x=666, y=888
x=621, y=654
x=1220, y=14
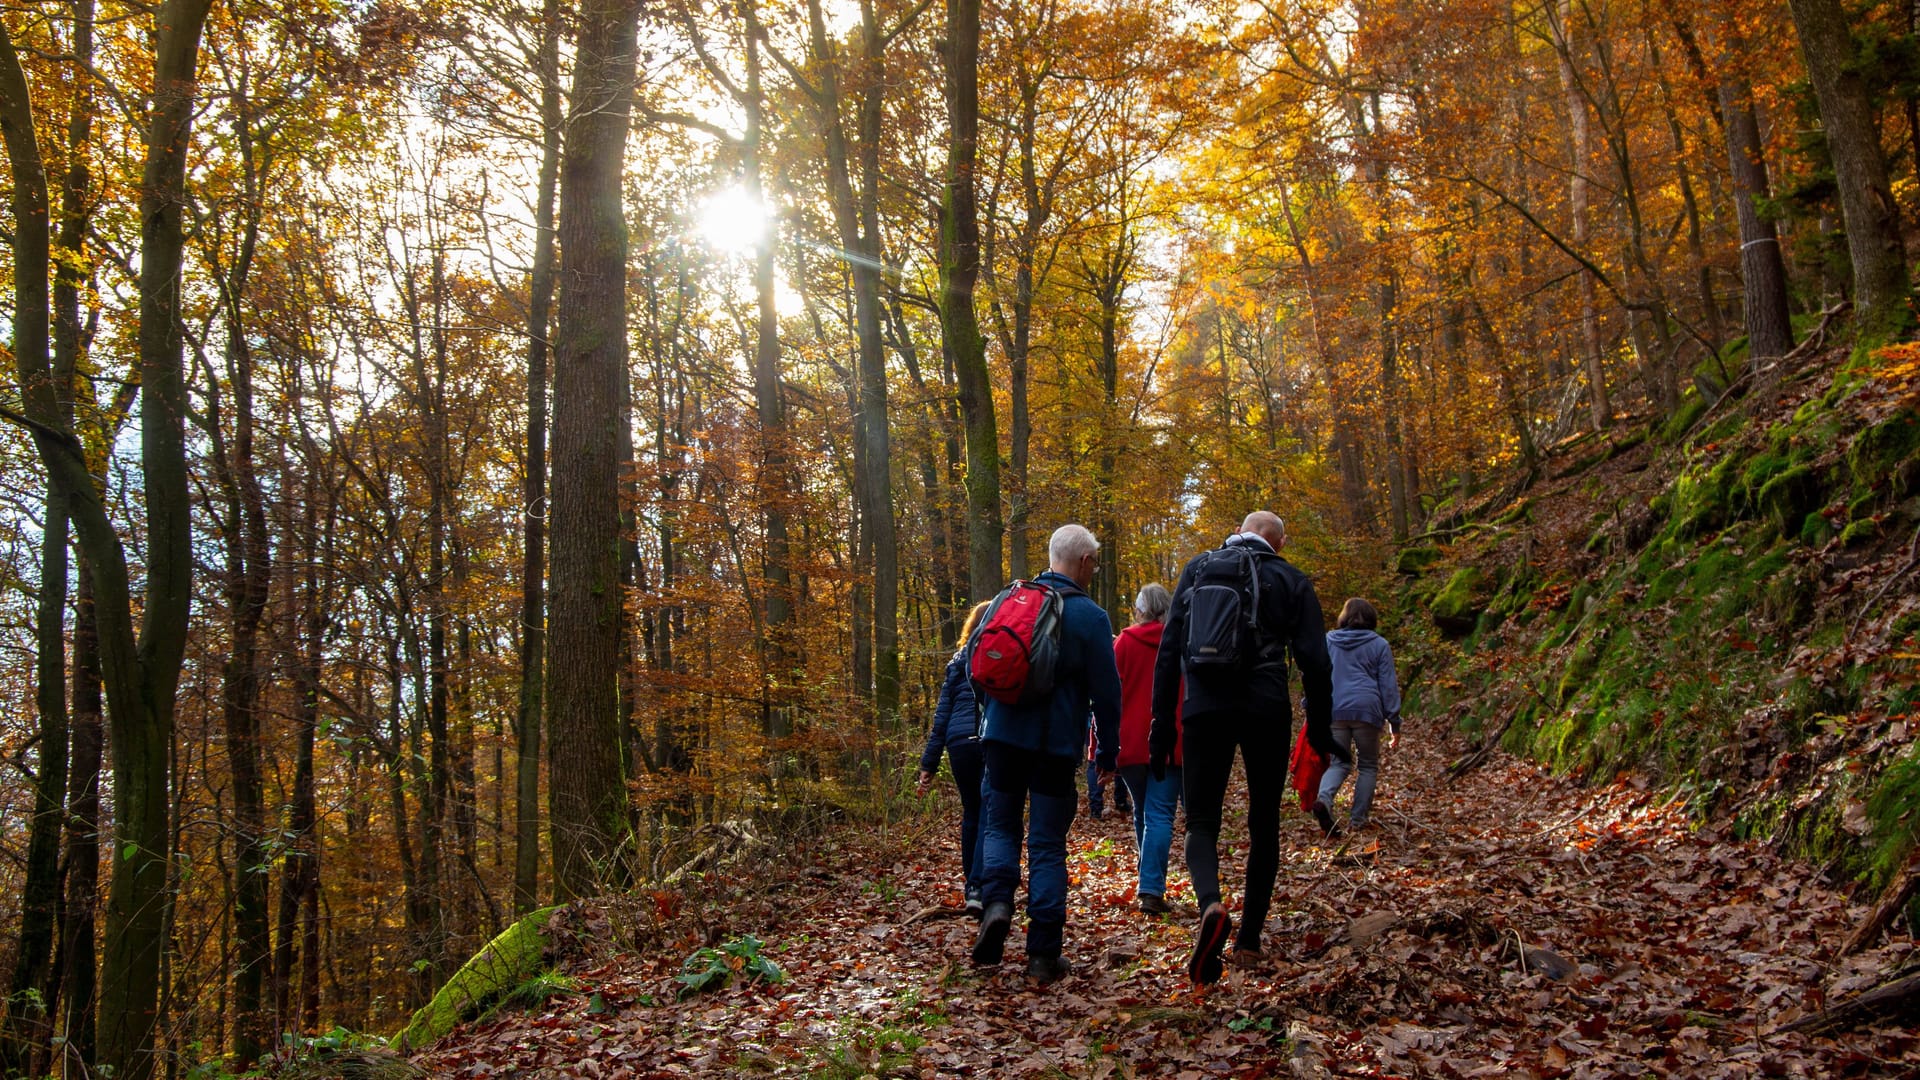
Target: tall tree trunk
x=959, y=273
x=587, y=797
x=1580, y=135
x=77, y=961
x=533, y=567
x=29, y=1028
x=1762, y=270
x=1880, y=285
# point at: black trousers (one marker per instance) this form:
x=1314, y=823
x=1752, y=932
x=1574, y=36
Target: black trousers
x=1209, y=742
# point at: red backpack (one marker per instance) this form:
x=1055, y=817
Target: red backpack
x=1013, y=653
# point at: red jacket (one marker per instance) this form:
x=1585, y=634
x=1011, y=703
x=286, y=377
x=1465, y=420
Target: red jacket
x=1133, y=653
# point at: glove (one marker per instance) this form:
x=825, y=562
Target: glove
x=1160, y=739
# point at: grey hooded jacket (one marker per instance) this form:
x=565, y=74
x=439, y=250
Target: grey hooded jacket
x=1364, y=688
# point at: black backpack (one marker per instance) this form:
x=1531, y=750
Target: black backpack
x=1223, y=612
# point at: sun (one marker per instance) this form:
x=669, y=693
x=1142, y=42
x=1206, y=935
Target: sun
x=734, y=222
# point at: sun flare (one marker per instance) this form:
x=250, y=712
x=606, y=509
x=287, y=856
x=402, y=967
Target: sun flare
x=734, y=222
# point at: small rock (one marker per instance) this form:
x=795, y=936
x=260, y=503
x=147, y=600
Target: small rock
x=1121, y=955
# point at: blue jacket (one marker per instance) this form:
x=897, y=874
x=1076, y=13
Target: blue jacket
x=1364, y=688
x=956, y=718
x=1084, y=680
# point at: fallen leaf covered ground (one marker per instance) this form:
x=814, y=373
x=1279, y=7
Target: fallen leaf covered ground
x=1679, y=952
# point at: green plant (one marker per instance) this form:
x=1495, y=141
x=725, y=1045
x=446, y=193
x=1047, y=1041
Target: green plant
x=710, y=967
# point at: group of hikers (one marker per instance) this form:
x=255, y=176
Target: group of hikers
x=1201, y=672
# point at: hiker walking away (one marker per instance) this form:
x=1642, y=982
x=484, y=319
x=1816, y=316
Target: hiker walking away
x=1238, y=612
x=1155, y=798
x=1365, y=697
x=1036, y=725
x=956, y=729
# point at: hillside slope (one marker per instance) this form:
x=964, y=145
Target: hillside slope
x=1725, y=605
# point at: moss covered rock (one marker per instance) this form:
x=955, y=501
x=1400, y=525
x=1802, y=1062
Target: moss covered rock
x=1885, y=455
x=1456, y=608
x=1859, y=532
x=1789, y=496
x=518, y=954
x=1415, y=561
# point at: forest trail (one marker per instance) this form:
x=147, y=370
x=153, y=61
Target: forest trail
x=1691, y=948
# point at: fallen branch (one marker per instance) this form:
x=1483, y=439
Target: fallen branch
x=1892, y=901
x=1913, y=560
x=1889, y=997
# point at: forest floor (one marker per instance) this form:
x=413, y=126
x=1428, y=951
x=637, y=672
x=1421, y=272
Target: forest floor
x=1679, y=951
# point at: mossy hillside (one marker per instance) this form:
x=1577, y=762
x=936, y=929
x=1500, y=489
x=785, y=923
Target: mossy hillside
x=1704, y=649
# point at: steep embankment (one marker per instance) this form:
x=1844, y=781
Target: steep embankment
x=1725, y=606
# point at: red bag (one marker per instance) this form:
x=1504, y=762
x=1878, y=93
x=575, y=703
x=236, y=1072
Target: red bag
x=1308, y=767
x=1012, y=655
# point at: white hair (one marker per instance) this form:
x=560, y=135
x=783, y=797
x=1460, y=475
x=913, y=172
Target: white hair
x=1070, y=544
x=1153, y=603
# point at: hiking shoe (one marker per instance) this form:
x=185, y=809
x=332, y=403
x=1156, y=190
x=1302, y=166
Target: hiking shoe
x=1047, y=969
x=1154, y=904
x=1204, y=966
x=994, y=924
x=974, y=906
x=1246, y=959
x=1325, y=817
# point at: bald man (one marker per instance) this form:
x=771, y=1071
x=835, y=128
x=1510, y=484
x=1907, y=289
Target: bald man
x=1233, y=667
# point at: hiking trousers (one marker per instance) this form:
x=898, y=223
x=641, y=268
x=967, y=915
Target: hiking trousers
x=1015, y=779
x=1208, y=743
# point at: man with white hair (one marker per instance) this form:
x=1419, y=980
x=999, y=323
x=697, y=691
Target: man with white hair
x=1238, y=612
x=1032, y=750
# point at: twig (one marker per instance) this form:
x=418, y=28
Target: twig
x=1913, y=560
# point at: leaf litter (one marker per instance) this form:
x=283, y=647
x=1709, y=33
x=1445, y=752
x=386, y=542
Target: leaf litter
x=1511, y=924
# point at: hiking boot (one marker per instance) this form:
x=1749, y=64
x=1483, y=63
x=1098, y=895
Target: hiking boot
x=1325, y=817
x=1047, y=969
x=1215, y=925
x=1154, y=904
x=994, y=924
x=974, y=907
x=1246, y=959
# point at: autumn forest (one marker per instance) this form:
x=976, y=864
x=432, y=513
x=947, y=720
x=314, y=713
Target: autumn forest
x=453, y=452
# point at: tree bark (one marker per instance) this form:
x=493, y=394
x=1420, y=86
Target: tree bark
x=587, y=799
x=1580, y=136
x=1880, y=285
x=533, y=567
x=959, y=273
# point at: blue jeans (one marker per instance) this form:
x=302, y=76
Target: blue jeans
x=1154, y=804
x=968, y=769
x=1096, y=795
x=1016, y=777
x=1364, y=740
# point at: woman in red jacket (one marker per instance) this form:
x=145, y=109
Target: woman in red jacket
x=1155, y=799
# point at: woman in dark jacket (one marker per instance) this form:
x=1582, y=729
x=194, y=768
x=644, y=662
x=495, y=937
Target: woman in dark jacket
x=956, y=729
x=1366, y=697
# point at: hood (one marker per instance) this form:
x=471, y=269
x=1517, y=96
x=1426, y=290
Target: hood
x=1350, y=639
x=1147, y=634
x=1252, y=540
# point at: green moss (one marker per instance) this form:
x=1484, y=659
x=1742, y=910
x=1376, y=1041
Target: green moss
x=509, y=960
x=1414, y=561
x=1789, y=496
x=1815, y=530
x=1683, y=419
x=1859, y=532
x=1457, y=606
x=1518, y=512
x=1883, y=455
x=1890, y=808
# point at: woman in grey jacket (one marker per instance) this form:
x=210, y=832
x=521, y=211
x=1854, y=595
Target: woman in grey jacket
x=1366, y=698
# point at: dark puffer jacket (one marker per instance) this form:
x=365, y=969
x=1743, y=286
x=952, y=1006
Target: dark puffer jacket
x=956, y=719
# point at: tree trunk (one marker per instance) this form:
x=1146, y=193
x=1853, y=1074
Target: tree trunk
x=587, y=798
x=1581, y=137
x=1762, y=270
x=533, y=601
x=959, y=273
x=1880, y=286
x=77, y=961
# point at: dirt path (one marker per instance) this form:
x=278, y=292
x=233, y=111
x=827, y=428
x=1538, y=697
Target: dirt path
x=1686, y=950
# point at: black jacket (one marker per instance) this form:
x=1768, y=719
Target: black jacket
x=1292, y=626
